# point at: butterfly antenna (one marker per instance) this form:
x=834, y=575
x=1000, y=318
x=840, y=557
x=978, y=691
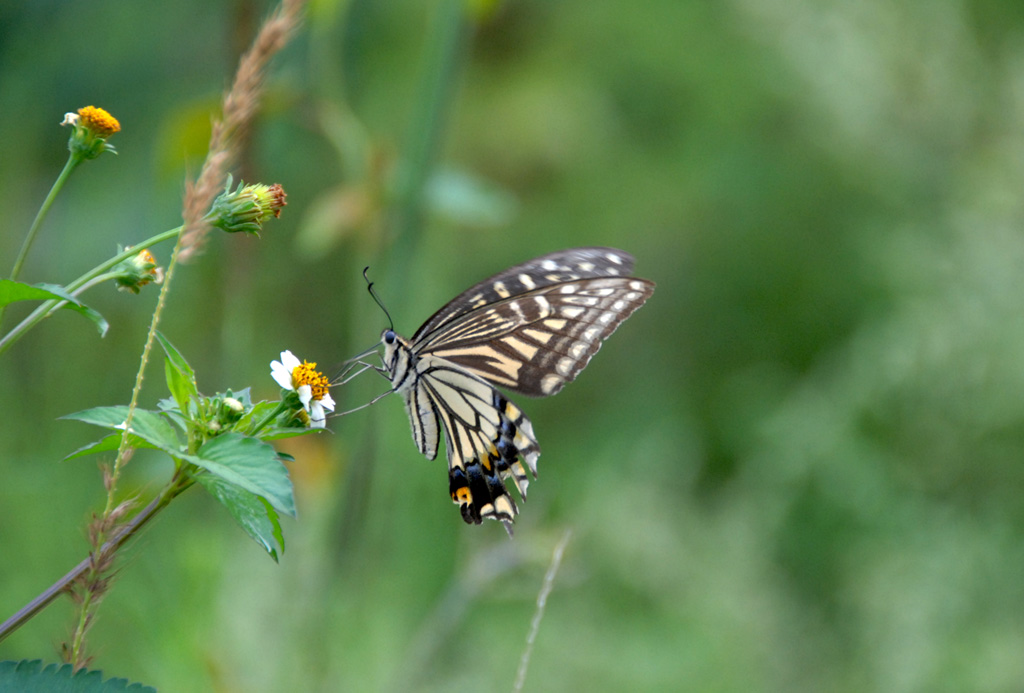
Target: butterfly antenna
x=369, y=287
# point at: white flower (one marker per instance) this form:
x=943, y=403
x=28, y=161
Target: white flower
x=311, y=386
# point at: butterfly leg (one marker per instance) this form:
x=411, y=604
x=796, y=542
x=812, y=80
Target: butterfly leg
x=344, y=377
x=364, y=406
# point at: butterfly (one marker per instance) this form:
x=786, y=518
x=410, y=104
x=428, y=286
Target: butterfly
x=530, y=329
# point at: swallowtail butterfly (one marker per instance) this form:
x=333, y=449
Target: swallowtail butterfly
x=530, y=329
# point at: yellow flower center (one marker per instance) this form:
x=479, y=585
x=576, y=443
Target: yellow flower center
x=99, y=121
x=306, y=374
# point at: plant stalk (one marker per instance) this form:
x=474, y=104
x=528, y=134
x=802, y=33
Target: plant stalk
x=120, y=537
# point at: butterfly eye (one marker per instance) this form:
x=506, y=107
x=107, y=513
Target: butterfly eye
x=389, y=336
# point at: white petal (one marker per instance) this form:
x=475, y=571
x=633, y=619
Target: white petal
x=317, y=418
x=281, y=371
x=305, y=395
x=290, y=360
x=281, y=375
x=327, y=402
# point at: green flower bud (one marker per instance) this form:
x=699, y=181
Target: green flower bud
x=137, y=271
x=247, y=207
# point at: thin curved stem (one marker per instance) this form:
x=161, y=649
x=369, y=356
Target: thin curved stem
x=30, y=237
x=538, y=614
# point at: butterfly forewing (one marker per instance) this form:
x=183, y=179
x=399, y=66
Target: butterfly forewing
x=541, y=272
x=530, y=329
x=537, y=342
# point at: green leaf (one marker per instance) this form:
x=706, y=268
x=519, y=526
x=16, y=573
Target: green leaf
x=277, y=433
x=181, y=379
x=250, y=511
x=30, y=677
x=148, y=425
x=257, y=413
x=108, y=444
x=178, y=386
x=12, y=291
x=169, y=408
x=249, y=463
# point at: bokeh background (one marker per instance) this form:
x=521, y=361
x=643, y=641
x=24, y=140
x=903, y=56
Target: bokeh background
x=799, y=467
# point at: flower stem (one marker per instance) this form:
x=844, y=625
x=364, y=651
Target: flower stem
x=87, y=280
x=72, y=162
x=268, y=418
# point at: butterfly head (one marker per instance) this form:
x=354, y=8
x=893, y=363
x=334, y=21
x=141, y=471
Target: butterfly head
x=397, y=356
x=390, y=341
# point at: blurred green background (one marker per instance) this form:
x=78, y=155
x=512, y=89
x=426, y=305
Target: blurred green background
x=799, y=467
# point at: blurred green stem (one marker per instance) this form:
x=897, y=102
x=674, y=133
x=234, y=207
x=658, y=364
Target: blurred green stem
x=444, y=50
x=94, y=276
x=444, y=53
x=73, y=161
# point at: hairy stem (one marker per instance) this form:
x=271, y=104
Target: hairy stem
x=119, y=461
x=113, y=544
x=77, y=655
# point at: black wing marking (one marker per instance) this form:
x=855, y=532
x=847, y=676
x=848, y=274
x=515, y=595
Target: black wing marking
x=485, y=436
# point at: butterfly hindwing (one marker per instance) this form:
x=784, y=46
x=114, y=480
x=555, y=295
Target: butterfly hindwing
x=485, y=436
x=530, y=329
